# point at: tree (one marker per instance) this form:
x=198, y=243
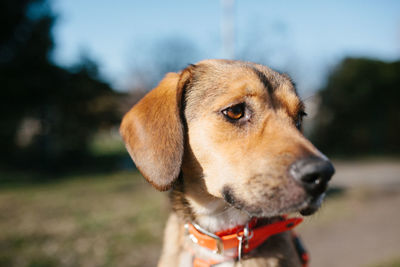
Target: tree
x=48, y=113
x=170, y=54
x=359, y=111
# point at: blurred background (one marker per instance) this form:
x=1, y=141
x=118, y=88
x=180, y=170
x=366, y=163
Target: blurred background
x=69, y=70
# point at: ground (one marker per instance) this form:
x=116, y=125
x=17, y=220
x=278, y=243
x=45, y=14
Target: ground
x=117, y=219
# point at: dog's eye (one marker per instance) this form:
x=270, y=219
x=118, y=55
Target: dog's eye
x=235, y=112
x=300, y=119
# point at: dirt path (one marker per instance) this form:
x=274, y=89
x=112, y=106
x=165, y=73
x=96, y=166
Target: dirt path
x=362, y=227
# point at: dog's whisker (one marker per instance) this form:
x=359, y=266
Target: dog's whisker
x=310, y=97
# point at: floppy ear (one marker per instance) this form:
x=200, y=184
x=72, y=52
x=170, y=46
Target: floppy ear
x=153, y=131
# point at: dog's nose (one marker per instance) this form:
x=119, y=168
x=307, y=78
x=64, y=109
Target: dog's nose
x=313, y=174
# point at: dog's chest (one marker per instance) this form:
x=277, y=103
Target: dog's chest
x=186, y=260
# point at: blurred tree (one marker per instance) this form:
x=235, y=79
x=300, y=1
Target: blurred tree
x=170, y=54
x=48, y=113
x=359, y=111
x=151, y=62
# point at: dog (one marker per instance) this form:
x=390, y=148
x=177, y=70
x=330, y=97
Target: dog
x=225, y=138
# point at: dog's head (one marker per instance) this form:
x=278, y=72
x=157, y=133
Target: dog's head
x=234, y=128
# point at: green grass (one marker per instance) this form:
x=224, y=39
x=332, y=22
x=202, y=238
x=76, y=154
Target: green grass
x=114, y=219
x=390, y=263
x=106, y=143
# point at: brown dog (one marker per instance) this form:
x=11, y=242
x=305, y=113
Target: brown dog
x=225, y=137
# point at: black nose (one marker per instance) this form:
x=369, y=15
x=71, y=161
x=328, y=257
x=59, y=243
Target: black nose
x=313, y=174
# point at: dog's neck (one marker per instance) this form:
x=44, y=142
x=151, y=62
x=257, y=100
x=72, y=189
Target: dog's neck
x=216, y=215
x=194, y=204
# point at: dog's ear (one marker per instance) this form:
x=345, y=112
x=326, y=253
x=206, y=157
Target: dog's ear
x=153, y=131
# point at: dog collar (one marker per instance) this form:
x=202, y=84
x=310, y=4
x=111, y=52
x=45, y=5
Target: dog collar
x=239, y=240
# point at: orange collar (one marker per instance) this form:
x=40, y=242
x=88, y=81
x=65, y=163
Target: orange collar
x=239, y=240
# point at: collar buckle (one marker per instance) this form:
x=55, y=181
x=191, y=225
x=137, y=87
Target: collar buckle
x=244, y=240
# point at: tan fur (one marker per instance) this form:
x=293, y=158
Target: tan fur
x=153, y=133
x=179, y=127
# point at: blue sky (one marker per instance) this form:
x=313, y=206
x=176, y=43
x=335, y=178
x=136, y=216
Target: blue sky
x=305, y=38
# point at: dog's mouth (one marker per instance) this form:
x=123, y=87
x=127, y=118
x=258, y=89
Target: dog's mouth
x=313, y=205
x=307, y=206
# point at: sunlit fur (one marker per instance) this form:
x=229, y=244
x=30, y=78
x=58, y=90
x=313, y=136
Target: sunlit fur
x=230, y=170
x=249, y=159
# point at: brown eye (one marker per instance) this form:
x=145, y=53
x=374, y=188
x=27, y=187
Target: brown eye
x=235, y=112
